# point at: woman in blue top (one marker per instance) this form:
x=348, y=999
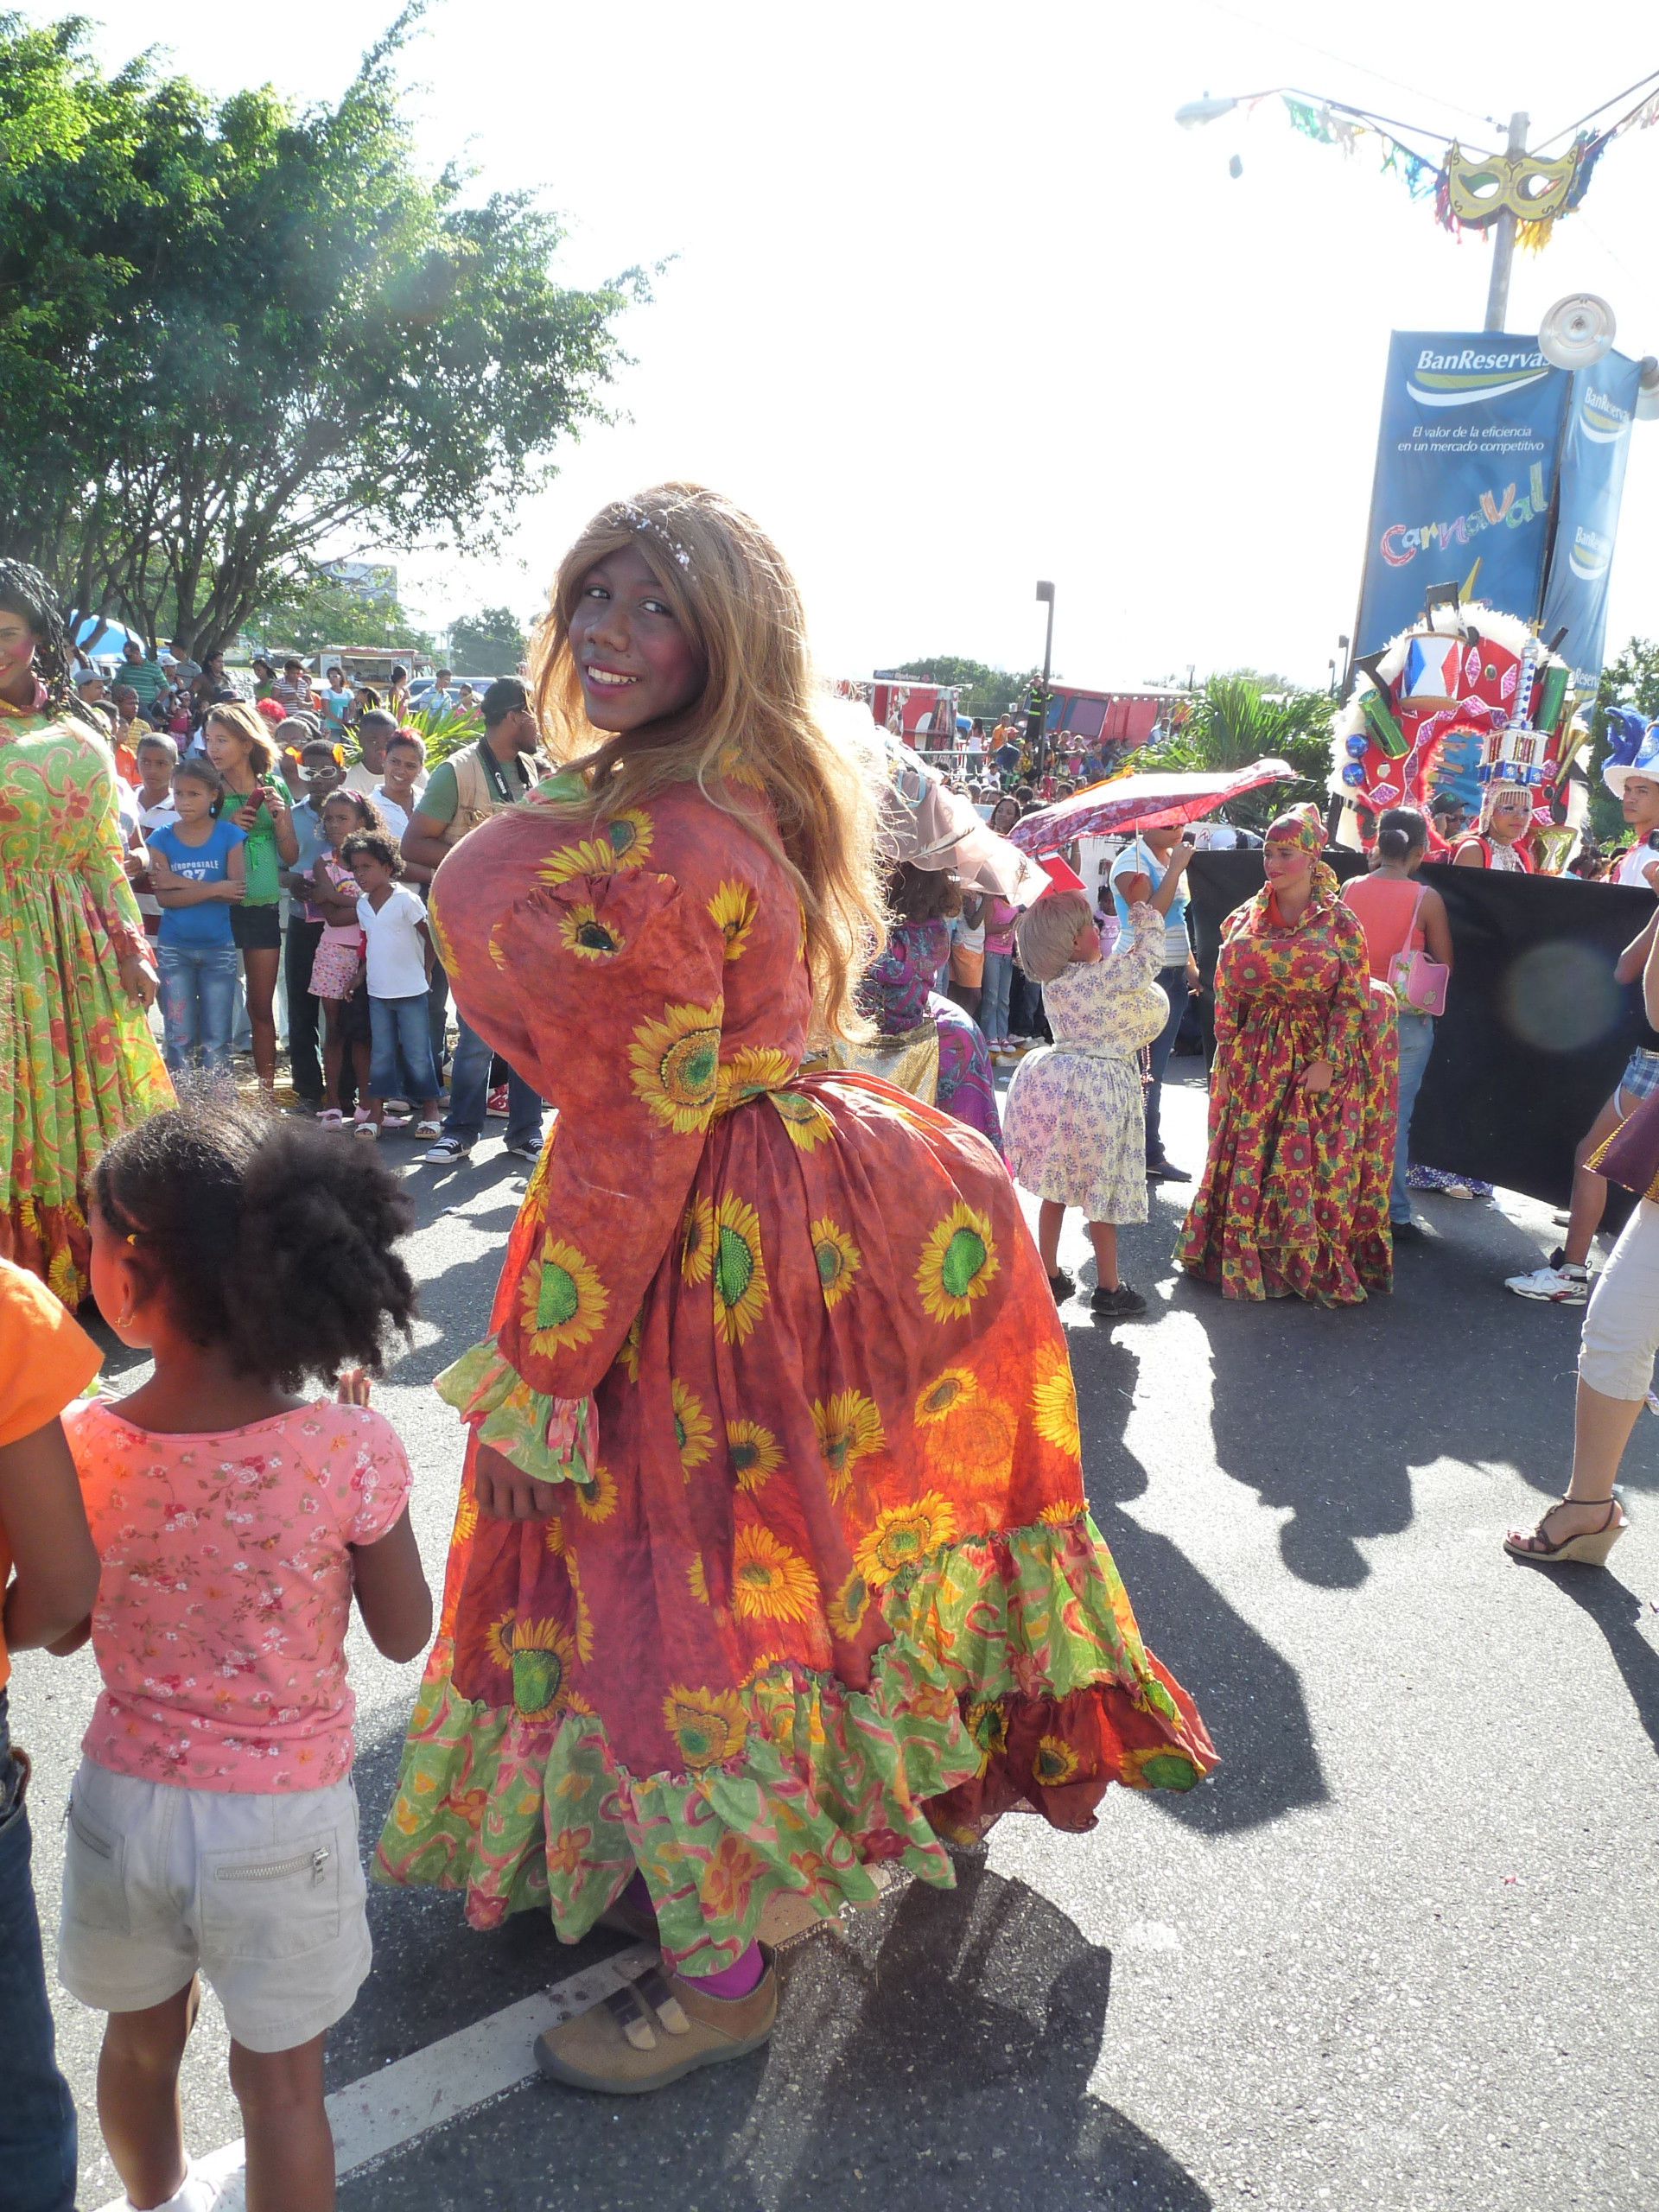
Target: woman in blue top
x=196, y=872
x=1137, y=874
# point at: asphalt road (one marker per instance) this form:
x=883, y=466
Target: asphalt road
x=1397, y=1954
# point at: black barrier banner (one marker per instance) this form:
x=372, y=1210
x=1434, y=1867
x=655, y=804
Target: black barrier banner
x=1535, y=1031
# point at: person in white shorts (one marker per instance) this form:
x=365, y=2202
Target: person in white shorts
x=213, y=1825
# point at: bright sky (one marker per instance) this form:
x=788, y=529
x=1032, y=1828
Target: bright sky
x=957, y=306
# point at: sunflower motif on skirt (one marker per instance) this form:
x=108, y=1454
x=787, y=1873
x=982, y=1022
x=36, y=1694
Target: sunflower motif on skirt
x=698, y=1240
x=676, y=1063
x=973, y=1445
x=596, y=1500
x=751, y=1071
x=693, y=1430
x=903, y=1536
x=808, y=1125
x=537, y=1654
x=1055, y=1762
x=707, y=1725
x=770, y=1582
x=562, y=1301
x=733, y=910
x=957, y=1263
x=848, y=1426
x=846, y=1611
x=957, y=1386
x=754, y=1452
x=1054, y=1400
x=740, y=1291
x=839, y=1259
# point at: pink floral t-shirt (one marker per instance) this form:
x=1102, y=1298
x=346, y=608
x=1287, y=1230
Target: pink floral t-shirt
x=220, y=1623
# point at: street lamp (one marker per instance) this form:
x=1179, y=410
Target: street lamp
x=1037, y=714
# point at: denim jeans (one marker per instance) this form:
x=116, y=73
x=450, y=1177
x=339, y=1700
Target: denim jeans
x=1172, y=982
x=469, y=1084
x=37, y=2114
x=994, y=996
x=400, y=1031
x=1416, y=1032
x=198, y=989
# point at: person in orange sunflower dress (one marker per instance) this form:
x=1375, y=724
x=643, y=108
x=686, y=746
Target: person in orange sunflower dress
x=1294, y=1197
x=771, y=1561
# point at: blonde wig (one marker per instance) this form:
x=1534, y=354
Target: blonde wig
x=1046, y=931
x=251, y=727
x=757, y=722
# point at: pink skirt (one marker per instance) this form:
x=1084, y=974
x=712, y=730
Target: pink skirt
x=336, y=967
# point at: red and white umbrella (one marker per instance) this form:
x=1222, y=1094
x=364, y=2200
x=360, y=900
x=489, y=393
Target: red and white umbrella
x=1151, y=802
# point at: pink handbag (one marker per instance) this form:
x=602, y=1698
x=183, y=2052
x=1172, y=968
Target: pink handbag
x=1418, y=983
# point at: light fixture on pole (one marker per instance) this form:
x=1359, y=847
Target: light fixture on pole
x=1038, y=712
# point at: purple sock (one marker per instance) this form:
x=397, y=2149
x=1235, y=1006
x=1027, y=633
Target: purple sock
x=637, y=1894
x=732, y=1981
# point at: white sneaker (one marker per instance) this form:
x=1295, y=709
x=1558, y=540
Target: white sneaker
x=1566, y=1284
x=198, y=2193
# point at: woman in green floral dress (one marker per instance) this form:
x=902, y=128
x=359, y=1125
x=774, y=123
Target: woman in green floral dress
x=78, y=1064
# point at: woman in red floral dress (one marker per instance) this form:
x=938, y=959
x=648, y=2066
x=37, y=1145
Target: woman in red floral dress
x=772, y=1560
x=1302, y=1096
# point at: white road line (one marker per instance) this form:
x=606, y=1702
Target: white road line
x=385, y=2110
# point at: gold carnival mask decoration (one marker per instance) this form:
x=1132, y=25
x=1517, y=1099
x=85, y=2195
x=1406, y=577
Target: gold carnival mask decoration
x=1480, y=187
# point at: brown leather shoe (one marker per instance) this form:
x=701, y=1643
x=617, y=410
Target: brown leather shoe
x=657, y=2029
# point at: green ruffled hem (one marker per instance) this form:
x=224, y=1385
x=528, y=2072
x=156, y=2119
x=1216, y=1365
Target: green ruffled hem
x=550, y=1439
x=798, y=1782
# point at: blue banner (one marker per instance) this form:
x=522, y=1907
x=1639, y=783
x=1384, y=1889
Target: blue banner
x=1471, y=427
x=1592, y=484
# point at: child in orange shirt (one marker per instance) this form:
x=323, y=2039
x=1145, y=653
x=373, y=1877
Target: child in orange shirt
x=49, y=1570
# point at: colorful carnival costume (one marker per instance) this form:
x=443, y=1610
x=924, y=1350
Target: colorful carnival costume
x=78, y=1064
x=1295, y=1190
x=1076, y=1128
x=897, y=993
x=821, y=1584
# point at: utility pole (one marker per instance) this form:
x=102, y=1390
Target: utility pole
x=1498, y=296
x=1038, y=715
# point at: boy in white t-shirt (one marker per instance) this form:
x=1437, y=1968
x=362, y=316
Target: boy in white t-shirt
x=400, y=957
x=158, y=756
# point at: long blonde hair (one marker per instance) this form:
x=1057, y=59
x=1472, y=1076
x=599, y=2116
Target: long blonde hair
x=756, y=723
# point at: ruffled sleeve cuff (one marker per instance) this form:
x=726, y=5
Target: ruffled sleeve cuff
x=550, y=1439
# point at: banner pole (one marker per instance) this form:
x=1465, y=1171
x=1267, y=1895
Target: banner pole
x=1498, y=296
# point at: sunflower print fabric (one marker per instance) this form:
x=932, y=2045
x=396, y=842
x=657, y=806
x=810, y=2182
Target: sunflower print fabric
x=1295, y=1196
x=820, y=1586
x=78, y=1064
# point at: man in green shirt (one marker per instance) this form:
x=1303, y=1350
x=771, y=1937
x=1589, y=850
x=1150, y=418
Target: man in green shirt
x=146, y=677
x=460, y=792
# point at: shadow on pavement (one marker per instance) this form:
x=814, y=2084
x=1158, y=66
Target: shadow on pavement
x=1325, y=1413
x=1249, y=1695
x=944, y=2060
x=938, y=2058
x=1617, y=1612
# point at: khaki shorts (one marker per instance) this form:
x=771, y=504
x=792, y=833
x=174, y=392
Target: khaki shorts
x=263, y=1895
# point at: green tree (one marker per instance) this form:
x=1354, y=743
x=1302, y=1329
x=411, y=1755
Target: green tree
x=986, y=691
x=313, y=611
x=491, y=643
x=1242, y=716
x=230, y=333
